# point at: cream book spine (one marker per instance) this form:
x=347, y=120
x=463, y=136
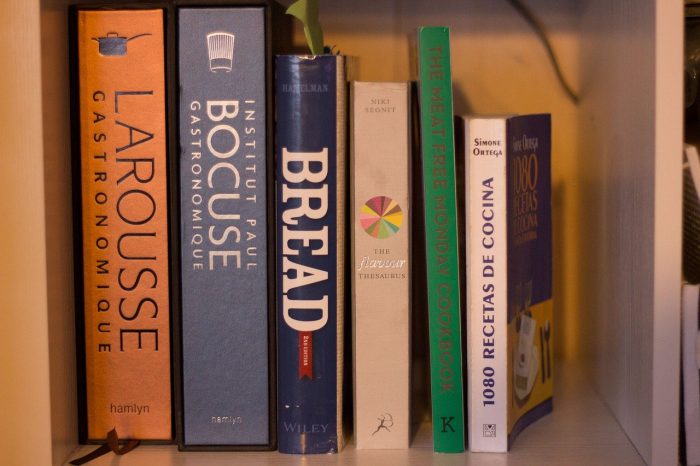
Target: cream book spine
x=381, y=242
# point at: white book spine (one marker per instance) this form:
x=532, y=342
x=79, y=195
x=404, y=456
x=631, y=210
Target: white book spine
x=487, y=352
x=381, y=317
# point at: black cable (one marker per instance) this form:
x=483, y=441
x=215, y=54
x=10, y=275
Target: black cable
x=537, y=26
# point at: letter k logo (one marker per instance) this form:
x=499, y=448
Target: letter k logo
x=447, y=423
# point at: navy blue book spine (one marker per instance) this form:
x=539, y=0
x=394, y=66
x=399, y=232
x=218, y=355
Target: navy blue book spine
x=310, y=151
x=224, y=232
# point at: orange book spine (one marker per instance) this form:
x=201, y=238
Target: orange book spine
x=124, y=223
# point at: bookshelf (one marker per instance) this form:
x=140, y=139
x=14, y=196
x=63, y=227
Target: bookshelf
x=617, y=198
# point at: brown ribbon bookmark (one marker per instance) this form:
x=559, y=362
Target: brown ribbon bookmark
x=112, y=444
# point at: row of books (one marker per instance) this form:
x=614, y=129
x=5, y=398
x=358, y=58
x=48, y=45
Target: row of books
x=216, y=263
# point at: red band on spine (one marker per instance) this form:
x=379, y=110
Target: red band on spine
x=305, y=355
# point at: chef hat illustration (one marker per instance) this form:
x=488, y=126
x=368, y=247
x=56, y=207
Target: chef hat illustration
x=220, y=48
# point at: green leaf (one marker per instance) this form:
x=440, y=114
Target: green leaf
x=306, y=11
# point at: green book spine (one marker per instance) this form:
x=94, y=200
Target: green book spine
x=440, y=210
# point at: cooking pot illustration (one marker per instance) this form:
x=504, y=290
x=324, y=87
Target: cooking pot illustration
x=114, y=44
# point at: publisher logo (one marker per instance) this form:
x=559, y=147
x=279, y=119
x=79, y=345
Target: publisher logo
x=384, y=422
x=489, y=430
x=220, y=49
x=447, y=424
x=381, y=217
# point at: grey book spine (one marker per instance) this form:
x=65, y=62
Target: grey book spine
x=224, y=226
